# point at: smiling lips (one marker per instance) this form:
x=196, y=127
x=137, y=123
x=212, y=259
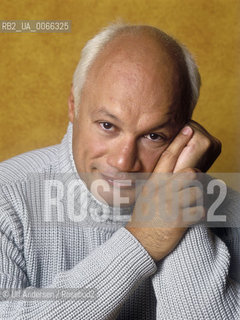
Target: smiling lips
x=119, y=182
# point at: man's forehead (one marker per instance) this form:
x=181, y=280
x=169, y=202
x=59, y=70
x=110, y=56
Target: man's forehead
x=130, y=70
x=144, y=120
x=136, y=74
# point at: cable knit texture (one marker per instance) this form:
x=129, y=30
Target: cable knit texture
x=42, y=250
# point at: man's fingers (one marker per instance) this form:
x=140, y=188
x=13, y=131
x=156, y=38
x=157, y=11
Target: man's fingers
x=193, y=215
x=201, y=151
x=170, y=156
x=190, y=197
x=189, y=157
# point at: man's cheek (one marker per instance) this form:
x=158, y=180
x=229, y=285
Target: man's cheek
x=151, y=159
x=97, y=148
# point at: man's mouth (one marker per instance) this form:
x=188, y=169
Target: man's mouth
x=118, y=182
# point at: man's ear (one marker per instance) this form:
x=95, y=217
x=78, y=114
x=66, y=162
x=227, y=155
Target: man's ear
x=71, y=111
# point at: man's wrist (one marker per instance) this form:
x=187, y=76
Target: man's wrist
x=140, y=235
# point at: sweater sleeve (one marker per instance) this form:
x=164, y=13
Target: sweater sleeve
x=193, y=281
x=111, y=272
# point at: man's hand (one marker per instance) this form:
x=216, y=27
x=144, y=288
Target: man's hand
x=200, y=152
x=192, y=148
x=161, y=234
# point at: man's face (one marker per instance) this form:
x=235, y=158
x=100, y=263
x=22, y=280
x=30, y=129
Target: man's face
x=125, y=118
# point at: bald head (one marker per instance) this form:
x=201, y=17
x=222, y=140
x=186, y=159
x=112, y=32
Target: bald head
x=141, y=68
x=147, y=51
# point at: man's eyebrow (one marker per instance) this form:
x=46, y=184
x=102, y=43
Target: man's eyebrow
x=104, y=112
x=161, y=126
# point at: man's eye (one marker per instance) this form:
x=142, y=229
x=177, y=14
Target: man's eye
x=106, y=125
x=154, y=137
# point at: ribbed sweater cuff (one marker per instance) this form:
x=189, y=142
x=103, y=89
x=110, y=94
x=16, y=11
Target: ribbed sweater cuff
x=121, y=258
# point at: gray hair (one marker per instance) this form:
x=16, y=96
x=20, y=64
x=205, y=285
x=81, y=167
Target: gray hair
x=95, y=45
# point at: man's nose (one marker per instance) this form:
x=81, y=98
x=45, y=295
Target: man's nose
x=124, y=156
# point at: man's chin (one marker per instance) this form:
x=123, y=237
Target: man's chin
x=114, y=195
x=111, y=191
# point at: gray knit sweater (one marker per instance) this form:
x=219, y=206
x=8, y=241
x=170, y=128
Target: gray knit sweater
x=41, y=250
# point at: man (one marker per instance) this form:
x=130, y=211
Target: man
x=130, y=107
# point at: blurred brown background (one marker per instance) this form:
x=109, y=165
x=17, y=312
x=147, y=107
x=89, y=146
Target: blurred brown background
x=36, y=68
